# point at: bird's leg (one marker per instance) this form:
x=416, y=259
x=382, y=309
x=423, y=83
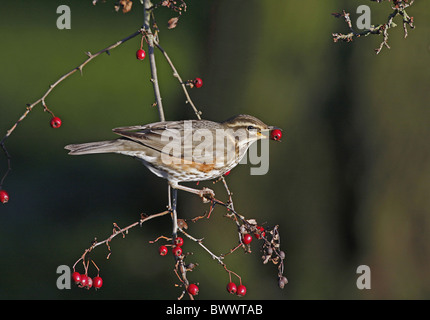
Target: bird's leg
x=172, y=207
x=206, y=194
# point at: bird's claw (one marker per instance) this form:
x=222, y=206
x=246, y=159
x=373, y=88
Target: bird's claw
x=207, y=195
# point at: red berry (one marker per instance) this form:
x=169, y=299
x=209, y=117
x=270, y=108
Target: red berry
x=84, y=280
x=198, y=82
x=227, y=173
x=261, y=233
x=193, y=289
x=140, y=54
x=89, y=282
x=179, y=241
x=76, y=277
x=177, y=251
x=231, y=288
x=4, y=196
x=98, y=282
x=276, y=134
x=247, y=238
x=162, y=250
x=241, y=290
x=55, y=122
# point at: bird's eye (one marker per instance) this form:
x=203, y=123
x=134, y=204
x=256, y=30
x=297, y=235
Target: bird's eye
x=251, y=128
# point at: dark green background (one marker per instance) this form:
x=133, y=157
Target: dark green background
x=348, y=185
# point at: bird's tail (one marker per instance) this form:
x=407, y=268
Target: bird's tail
x=98, y=147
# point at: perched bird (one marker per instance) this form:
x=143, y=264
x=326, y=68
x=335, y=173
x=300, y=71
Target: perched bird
x=187, y=150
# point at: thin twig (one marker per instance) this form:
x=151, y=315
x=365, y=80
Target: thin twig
x=147, y=8
x=214, y=256
x=200, y=243
x=176, y=75
x=399, y=8
x=52, y=87
x=122, y=231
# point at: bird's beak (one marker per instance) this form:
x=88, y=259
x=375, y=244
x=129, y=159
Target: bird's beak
x=266, y=133
x=273, y=128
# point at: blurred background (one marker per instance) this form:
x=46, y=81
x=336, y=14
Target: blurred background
x=348, y=186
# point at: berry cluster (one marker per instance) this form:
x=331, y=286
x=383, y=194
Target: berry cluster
x=193, y=288
x=240, y=290
x=84, y=281
x=178, y=242
x=259, y=233
x=176, y=250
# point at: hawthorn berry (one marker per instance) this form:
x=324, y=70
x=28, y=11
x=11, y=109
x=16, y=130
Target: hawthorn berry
x=177, y=251
x=193, y=289
x=89, y=282
x=98, y=282
x=247, y=238
x=241, y=290
x=76, y=277
x=261, y=233
x=231, y=288
x=179, y=241
x=198, y=83
x=84, y=280
x=227, y=173
x=140, y=54
x=55, y=122
x=276, y=134
x=162, y=250
x=4, y=196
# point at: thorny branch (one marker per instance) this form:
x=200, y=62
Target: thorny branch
x=42, y=100
x=399, y=7
x=183, y=84
x=116, y=231
x=270, y=248
x=271, y=239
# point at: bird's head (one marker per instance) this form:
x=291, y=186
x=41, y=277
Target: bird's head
x=249, y=128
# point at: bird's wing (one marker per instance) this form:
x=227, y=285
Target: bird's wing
x=154, y=135
x=180, y=139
